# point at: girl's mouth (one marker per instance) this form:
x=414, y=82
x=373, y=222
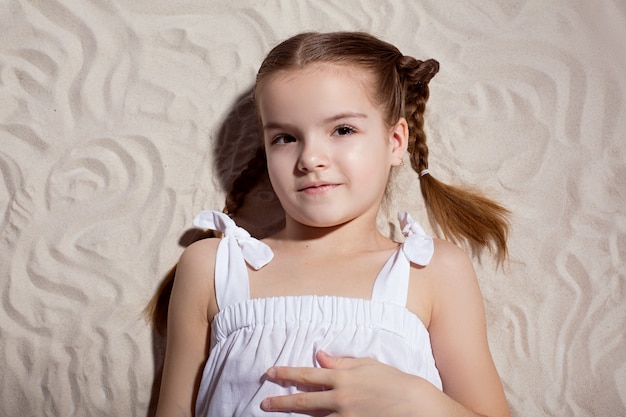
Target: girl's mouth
x=316, y=189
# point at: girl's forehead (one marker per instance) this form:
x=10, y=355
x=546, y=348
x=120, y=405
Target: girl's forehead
x=343, y=70
x=313, y=72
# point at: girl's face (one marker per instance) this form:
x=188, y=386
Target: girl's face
x=329, y=151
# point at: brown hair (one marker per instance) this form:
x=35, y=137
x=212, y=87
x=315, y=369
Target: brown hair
x=401, y=90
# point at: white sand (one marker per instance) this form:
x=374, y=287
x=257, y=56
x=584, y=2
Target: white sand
x=110, y=113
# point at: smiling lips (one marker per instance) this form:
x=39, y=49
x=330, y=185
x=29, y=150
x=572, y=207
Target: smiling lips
x=317, y=188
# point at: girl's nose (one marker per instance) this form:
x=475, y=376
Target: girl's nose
x=313, y=156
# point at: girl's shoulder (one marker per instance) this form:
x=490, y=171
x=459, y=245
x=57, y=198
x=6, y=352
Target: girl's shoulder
x=195, y=275
x=448, y=261
x=197, y=262
x=448, y=258
x=450, y=268
x=448, y=275
x=201, y=251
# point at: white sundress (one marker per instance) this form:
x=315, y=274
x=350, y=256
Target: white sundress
x=250, y=335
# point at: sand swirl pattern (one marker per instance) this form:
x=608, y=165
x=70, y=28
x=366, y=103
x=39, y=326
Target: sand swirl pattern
x=120, y=120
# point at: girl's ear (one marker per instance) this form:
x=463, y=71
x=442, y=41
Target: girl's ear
x=399, y=138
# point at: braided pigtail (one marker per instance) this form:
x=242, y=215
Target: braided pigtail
x=248, y=178
x=462, y=215
x=157, y=309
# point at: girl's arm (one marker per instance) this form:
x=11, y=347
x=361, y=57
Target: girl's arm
x=459, y=335
x=187, y=330
x=365, y=387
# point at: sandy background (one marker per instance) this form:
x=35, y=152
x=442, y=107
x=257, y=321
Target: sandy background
x=119, y=120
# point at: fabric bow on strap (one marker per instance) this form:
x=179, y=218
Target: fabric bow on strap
x=393, y=281
x=418, y=246
x=237, y=247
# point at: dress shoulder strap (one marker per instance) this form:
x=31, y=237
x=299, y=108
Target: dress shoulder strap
x=392, y=283
x=235, y=249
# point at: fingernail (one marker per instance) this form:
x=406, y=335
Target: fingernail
x=321, y=354
x=265, y=404
x=271, y=372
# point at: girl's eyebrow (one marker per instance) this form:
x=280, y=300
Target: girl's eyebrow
x=331, y=119
x=277, y=126
x=347, y=115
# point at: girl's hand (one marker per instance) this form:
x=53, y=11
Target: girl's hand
x=354, y=387
x=365, y=387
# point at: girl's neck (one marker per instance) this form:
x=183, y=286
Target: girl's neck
x=355, y=235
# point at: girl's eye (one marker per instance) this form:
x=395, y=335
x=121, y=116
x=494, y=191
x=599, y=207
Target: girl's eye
x=343, y=131
x=283, y=139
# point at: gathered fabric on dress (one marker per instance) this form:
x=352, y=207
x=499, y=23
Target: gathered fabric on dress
x=248, y=336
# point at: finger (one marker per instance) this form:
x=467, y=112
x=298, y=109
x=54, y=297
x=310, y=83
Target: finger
x=328, y=361
x=303, y=375
x=336, y=362
x=306, y=401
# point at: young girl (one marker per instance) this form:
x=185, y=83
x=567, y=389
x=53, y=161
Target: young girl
x=328, y=316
